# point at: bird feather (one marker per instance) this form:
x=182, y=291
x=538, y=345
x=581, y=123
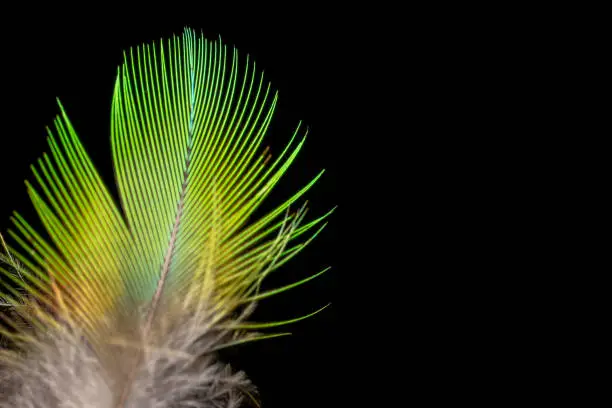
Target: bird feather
x=126, y=304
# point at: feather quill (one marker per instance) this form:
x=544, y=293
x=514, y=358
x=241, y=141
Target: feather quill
x=126, y=305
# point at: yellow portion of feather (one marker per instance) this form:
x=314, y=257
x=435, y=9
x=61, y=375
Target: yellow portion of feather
x=188, y=121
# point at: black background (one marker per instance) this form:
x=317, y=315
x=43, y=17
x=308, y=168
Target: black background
x=309, y=60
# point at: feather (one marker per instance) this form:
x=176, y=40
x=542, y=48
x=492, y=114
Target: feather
x=126, y=305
